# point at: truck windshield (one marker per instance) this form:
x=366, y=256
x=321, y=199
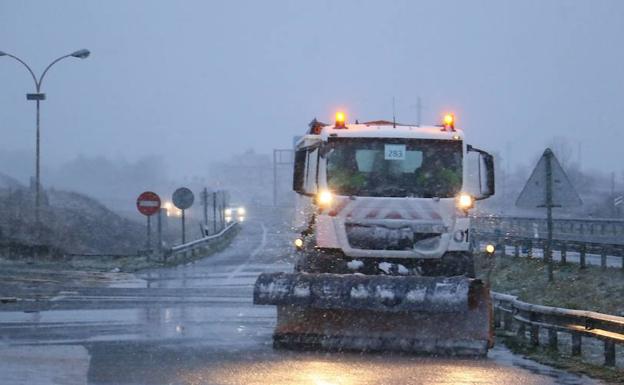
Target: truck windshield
x=391, y=167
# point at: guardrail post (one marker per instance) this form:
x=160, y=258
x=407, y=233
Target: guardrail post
x=576, y=344
x=507, y=321
x=603, y=258
x=564, y=253
x=582, y=256
x=609, y=353
x=534, y=335
x=553, y=342
x=521, y=332
x=530, y=249
x=497, y=317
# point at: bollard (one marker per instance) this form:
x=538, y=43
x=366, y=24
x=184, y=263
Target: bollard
x=609, y=353
x=564, y=253
x=553, y=343
x=576, y=344
x=530, y=249
x=603, y=258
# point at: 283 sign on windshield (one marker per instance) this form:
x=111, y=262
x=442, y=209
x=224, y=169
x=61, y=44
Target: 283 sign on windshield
x=394, y=152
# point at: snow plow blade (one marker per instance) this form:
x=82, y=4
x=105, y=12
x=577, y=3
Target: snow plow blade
x=431, y=315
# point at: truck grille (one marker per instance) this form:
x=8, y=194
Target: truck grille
x=383, y=238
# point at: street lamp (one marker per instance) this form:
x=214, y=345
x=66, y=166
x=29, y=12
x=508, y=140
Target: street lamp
x=38, y=96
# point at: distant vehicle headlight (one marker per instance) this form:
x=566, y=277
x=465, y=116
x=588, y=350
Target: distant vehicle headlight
x=241, y=211
x=228, y=212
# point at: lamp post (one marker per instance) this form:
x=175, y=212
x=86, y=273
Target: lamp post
x=38, y=96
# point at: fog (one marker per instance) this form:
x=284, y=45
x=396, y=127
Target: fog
x=194, y=83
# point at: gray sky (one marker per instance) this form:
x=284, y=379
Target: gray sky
x=199, y=80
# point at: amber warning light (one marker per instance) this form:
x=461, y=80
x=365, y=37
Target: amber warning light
x=449, y=122
x=340, y=119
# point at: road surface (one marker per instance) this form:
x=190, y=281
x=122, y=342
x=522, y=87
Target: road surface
x=195, y=324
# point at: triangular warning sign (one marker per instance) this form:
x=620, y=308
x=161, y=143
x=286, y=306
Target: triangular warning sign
x=534, y=193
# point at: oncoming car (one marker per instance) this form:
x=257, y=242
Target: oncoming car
x=234, y=213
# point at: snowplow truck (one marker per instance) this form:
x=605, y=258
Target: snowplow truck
x=384, y=259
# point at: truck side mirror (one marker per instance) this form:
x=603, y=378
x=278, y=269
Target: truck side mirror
x=485, y=172
x=299, y=171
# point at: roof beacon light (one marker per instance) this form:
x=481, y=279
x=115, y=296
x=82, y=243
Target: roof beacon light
x=449, y=122
x=340, y=119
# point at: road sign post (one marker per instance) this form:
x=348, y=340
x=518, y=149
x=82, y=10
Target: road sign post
x=548, y=257
x=160, y=243
x=183, y=198
x=548, y=187
x=148, y=244
x=148, y=204
x=183, y=226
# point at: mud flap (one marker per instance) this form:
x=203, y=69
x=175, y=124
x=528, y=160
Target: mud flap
x=431, y=315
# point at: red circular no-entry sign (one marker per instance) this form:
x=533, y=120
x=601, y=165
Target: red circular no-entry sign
x=148, y=203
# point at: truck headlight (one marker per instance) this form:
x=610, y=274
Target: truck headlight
x=464, y=201
x=325, y=198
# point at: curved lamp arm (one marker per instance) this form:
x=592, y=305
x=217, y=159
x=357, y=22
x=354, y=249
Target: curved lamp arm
x=45, y=71
x=25, y=65
x=80, y=54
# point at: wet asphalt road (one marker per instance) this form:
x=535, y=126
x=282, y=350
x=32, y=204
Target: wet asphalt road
x=195, y=324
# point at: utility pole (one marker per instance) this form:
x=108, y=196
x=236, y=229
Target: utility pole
x=275, y=178
x=507, y=173
x=214, y=212
x=613, y=207
x=418, y=111
x=393, y=113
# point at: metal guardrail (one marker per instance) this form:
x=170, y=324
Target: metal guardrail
x=202, y=242
x=597, y=230
x=607, y=328
x=582, y=248
x=603, y=237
